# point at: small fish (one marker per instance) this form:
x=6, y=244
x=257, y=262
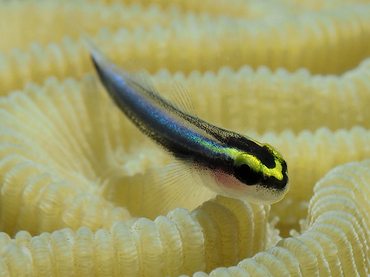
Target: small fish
x=230, y=164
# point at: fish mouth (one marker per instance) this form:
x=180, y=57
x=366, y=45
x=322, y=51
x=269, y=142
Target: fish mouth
x=268, y=194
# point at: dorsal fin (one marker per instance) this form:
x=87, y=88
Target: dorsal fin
x=142, y=78
x=180, y=97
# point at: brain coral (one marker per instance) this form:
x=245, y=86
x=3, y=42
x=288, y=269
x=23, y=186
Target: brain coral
x=81, y=188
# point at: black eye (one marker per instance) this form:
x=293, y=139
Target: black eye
x=246, y=175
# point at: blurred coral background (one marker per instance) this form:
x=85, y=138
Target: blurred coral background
x=83, y=193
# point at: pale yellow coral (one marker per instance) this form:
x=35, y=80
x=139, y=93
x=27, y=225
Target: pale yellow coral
x=312, y=40
x=252, y=87
x=332, y=244
x=48, y=137
x=344, y=97
x=91, y=145
x=180, y=243
x=242, y=8
x=69, y=158
x=69, y=18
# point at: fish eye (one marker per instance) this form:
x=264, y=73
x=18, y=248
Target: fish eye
x=247, y=175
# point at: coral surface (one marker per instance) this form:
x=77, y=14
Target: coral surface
x=83, y=193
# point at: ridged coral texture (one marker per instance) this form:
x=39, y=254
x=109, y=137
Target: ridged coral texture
x=275, y=42
x=84, y=193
